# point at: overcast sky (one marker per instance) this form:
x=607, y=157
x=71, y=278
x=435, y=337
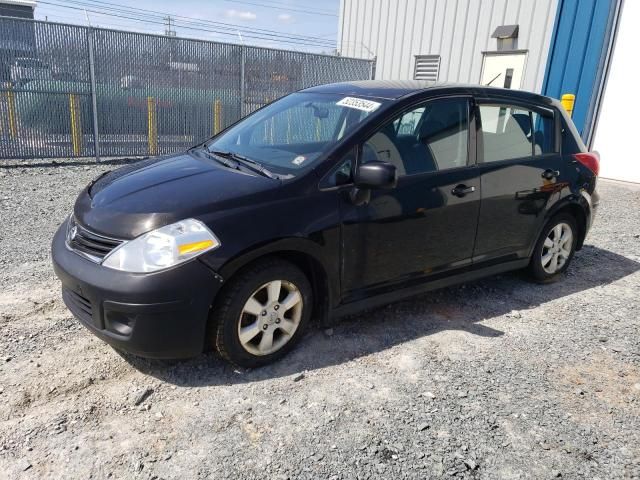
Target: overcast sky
x=299, y=17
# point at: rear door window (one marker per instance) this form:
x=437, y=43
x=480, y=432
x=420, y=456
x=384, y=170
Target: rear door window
x=510, y=132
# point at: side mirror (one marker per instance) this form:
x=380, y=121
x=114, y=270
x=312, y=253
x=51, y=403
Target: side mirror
x=376, y=175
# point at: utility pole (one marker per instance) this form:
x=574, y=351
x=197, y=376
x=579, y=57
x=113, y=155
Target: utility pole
x=167, y=31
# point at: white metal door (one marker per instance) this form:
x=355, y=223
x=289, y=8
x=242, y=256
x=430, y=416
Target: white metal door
x=617, y=129
x=503, y=69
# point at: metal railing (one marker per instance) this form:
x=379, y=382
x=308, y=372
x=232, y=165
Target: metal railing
x=72, y=91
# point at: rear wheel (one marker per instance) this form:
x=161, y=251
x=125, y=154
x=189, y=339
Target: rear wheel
x=555, y=248
x=262, y=313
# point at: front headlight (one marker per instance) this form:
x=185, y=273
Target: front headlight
x=163, y=248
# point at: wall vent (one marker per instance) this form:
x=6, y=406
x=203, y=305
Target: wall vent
x=427, y=67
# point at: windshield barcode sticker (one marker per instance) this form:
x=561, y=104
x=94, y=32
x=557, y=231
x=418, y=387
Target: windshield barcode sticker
x=359, y=104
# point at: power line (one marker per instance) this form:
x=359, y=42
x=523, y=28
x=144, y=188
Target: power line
x=65, y=19
x=283, y=6
x=229, y=29
x=120, y=8
x=219, y=29
x=288, y=5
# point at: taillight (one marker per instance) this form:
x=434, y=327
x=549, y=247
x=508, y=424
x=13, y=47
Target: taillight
x=591, y=160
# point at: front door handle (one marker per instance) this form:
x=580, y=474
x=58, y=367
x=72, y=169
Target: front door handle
x=550, y=174
x=462, y=190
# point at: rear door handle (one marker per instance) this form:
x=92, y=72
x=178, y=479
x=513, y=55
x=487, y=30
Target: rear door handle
x=550, y=174
x=462, y=190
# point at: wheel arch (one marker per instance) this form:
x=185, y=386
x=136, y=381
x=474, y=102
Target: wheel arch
x=579, y=208
x=304, y=254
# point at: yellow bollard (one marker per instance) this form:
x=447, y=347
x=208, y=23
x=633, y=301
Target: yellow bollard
x=11, y=105
x=152, y=120
x=76, y=126
x=568, y=101
x=217, y=116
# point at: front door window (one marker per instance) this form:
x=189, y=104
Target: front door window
x=427, y=138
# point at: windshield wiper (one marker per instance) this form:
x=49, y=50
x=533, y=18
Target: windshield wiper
x=247, y=162
x=257, y=166
x=222, y=158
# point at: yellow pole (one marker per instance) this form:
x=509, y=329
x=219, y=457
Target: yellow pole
x=318, y=129
x=76, y=126
x=11, y=104
x=217, y=116
x=568, y=101
x=152, y=121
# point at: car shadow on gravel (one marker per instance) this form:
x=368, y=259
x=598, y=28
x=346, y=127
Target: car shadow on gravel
x=456, y=308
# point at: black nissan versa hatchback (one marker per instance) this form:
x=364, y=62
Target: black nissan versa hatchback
x=330, y=200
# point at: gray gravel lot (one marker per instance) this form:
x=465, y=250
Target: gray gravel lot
x=498, y=378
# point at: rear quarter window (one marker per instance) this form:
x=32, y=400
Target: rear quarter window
x=570, y=142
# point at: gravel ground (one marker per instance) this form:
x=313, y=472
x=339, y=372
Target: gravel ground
x=494, y=379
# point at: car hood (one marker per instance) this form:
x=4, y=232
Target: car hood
x=140, y=197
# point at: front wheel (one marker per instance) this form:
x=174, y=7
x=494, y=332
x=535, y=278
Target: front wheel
x=262, y=313
x=554, y=250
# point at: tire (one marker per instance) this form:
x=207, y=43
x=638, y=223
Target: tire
x=248, y=304
x=542, y=267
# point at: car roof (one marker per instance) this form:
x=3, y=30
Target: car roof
x=388, y=89
x=395, y=89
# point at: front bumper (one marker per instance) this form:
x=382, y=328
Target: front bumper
x=156, y=315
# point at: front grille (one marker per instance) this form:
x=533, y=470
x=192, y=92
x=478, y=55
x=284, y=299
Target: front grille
x=79, y=306
x=91, y=245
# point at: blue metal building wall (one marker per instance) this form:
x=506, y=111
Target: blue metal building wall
x=578, y=53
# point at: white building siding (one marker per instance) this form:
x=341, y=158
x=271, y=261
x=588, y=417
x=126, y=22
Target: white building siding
x=458, y=30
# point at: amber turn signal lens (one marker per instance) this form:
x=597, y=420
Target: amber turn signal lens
x=194, y=247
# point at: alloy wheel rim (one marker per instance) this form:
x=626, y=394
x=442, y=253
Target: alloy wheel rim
x=270, y=317
x=556, y=249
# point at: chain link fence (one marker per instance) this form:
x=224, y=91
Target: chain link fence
x=71, y=91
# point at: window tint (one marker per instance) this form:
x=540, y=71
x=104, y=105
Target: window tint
x=431, y=137
x=513, y=132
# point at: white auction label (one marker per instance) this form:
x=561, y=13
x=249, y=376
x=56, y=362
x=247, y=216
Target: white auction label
x=359, y=104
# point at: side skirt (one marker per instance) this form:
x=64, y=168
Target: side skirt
x=401, y=294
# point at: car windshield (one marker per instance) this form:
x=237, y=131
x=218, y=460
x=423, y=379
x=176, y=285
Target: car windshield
x=295, y=131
